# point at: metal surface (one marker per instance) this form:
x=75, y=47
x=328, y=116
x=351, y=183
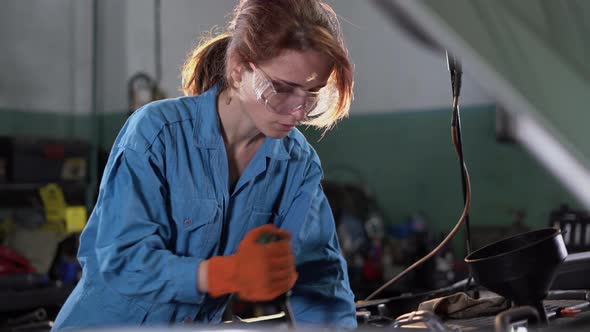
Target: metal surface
x=487, y=322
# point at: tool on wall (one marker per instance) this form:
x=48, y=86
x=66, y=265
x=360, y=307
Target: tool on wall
x=142, y=89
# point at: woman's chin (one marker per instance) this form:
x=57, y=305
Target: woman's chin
x=279, y=131
x=276, y=134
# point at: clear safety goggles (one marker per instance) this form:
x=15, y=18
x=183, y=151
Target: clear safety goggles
x=282, y=98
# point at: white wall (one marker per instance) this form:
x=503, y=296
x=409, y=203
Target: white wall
x=113, y=54
x=46, y=59
x=183, y=22
x=393, y=72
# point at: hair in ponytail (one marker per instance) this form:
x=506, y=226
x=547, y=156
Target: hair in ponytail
x=205, y=67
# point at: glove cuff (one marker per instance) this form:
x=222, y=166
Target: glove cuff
x=222, y=275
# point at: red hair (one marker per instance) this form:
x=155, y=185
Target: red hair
x=259, y=31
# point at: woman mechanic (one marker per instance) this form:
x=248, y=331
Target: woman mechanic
x=192, y=183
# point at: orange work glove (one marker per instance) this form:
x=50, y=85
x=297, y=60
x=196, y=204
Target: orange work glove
x=257, y=271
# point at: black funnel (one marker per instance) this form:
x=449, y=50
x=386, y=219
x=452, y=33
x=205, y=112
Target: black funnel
x=520, y=268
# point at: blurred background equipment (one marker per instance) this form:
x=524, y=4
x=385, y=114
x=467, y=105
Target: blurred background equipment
x=575, y=225
x=42, y=209
x=37, y=160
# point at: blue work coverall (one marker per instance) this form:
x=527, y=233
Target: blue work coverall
x=164, y=206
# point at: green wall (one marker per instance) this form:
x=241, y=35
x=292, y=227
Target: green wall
x=539, y=48
x=408, y=162
x=406, y=159
x=60, y=125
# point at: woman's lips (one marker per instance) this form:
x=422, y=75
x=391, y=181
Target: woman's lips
x=286, y=127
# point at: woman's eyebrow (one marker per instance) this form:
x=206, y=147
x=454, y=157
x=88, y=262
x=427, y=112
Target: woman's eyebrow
x=297, y=84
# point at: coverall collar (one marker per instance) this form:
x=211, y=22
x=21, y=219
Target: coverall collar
x=207, y=130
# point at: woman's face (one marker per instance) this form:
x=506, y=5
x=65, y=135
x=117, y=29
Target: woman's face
x=303, y=72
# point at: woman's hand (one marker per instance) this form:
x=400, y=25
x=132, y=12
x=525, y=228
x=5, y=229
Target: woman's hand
x=257, y=271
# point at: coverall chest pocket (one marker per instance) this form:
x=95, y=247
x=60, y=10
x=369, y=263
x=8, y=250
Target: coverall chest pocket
x=257, y=217
x=196, y=224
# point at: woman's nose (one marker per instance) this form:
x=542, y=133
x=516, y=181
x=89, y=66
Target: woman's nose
x=299, y=114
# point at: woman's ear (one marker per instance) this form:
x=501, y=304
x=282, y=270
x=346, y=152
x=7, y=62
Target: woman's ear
x=236, y=75
x=236, y=71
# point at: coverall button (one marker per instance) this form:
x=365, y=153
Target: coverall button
x=187, y=222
